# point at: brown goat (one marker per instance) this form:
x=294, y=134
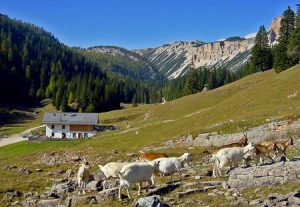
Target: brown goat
x=151, y=156
x=264, y=151
x=242, y=143
x=281, y=146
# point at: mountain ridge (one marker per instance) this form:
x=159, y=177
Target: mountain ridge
x=175, y=59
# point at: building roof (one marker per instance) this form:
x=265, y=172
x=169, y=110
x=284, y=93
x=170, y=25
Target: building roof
x=70, y=118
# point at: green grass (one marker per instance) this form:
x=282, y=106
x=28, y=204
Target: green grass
x=22, y=124
x=248, y=102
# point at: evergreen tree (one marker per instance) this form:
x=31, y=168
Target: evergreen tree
x=261, y=58
x=293, y=48
x=281, y=59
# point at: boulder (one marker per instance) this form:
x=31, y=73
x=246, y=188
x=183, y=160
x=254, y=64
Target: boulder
x=94, y=185
x=265, y=175
x=150, y=201
x=82, y=200
x=108, y=193
x=48, y=203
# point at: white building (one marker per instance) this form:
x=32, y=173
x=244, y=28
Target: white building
x=70, y=125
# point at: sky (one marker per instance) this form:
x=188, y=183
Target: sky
x=136, y=24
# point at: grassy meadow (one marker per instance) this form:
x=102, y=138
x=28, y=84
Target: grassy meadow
x=245, y=103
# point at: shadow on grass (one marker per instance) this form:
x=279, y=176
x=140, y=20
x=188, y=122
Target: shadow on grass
x=18, y=114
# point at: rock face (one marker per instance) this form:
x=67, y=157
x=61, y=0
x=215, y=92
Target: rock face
x=174, y=60
x=255, y=135
x=274, y=30
x=266, y=175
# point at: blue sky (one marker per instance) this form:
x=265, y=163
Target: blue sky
x=144, y=23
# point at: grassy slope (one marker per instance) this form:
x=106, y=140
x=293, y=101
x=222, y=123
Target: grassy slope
x=23, y=124
x=254, y=98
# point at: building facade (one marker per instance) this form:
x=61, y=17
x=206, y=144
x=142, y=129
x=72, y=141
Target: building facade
x=70, y=125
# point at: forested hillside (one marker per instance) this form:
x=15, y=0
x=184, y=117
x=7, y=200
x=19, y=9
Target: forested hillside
x=35, y=65
x=123, y=61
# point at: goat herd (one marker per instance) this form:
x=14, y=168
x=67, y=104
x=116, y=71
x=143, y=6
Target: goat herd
x=159, y=164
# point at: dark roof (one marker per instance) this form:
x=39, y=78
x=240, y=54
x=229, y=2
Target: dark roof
x=70, y=118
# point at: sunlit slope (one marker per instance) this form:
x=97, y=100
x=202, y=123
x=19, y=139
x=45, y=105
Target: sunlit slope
x=250, y=101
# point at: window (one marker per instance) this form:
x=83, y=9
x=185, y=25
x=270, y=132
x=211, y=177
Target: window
x=63, y=135
x=63, y=126
x=85, y=135
x=52, y=126
x=52, y=134
x=74, y=135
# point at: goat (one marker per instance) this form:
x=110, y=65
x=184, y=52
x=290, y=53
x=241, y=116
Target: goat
x=151, y=156
x=168, y=166
x=137, y=172
x=229, y=155
x=110, y=170
x=242, y=143
x=83, y=176
x=281, y=146
x=262, y=151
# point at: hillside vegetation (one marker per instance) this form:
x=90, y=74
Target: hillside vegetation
x=35, y=65
x=246, y=102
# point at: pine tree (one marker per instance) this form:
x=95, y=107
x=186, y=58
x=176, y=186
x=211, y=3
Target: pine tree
x=293, y=48
x=281, y=59
x=261, y=58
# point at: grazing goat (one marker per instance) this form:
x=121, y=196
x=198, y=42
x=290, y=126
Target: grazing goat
x=262, y=151
x=137, y=172
x=242, y=143
x=229, y=155
x=151, y=156
x=281, y=146
x=83, y=176
x=110, y=170
x=168, y=166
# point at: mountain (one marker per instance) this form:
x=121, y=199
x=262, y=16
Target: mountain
x=174, y=60
x=123, y=61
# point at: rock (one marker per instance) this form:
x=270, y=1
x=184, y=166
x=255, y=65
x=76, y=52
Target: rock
x=294, y=200
x=165, y=189
x=24, y=171
x=297, y=158
x=84, y=200
x=265, y=175
x=9, y=167
x=255, y=202
x=108, y=193
x=75, y=158
x=150, y=201
x=48, y=203
x=198, y=177
x=94, y=185
x=190, y=191
x=276, y=197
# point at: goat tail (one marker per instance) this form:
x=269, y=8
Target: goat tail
x=101, y=167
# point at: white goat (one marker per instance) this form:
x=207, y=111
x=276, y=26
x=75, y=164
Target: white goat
x=230, y=155
x=83, y=176
x=170, y=165
x=110, y=170
x=137, y=172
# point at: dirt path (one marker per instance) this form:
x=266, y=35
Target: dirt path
x=17, y=137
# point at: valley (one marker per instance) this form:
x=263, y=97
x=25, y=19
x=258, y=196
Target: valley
x=151, y=125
